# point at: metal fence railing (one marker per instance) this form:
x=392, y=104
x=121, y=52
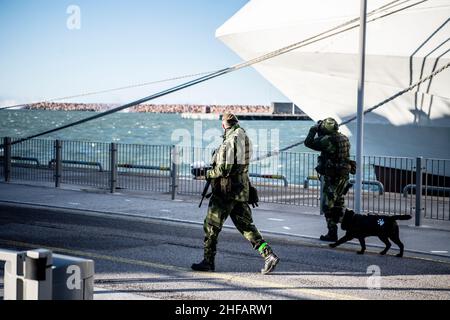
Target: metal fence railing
x=435, y=183
x=84, y=163
x=381, y=185
x=144, y=167
x=389, y=183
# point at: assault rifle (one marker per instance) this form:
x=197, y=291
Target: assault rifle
x=205, y=192
x=208, y=181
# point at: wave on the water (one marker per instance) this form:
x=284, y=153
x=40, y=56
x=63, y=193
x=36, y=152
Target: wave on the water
x=140, y=128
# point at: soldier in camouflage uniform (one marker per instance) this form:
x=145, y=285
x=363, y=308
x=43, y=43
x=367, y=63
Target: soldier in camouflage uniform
x=334, y=165
x=230, y=196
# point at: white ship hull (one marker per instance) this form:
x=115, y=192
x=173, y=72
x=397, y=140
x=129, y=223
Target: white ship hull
x=321, y=78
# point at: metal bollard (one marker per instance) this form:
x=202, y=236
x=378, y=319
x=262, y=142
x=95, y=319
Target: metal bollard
x=58, y=164
x=173, y=171
x=28, y=275
x=7, y=158
x=113, y=167
x=73, y=278
x=14, y=264
x=39, y=275
x=418, y=190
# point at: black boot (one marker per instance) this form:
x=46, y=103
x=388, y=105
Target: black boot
x=204, y=265
x=331, y=235
x=270, y=259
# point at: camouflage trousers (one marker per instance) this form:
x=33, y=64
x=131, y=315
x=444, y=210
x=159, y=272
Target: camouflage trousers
x=334, y=190
x=218, y=211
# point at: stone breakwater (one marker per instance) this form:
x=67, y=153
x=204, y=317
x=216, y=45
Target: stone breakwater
x=155, y=108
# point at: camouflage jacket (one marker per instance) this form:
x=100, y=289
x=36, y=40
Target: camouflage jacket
x=230, y=165
x=334, y=159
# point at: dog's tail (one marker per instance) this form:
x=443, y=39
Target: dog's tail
x=402, y=217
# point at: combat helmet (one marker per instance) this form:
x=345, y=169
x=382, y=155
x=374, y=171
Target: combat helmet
x=328, y=125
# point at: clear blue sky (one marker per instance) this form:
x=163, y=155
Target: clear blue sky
x=121, y=42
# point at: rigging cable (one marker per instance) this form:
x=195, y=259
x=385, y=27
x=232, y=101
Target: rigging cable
x=297, y=45
x=91, y=93
x=84, y=94
x=398, y=94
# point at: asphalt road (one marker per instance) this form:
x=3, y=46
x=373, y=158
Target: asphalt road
x=151, y=259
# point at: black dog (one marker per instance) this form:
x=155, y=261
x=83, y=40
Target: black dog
x=361, y=226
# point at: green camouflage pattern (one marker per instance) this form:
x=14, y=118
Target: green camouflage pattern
x=231, y=161
x=334, y=147
x=329, y=125
x=333, y=196
x=230, y=186
x=218, y=211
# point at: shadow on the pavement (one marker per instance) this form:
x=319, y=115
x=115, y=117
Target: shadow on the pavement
x=144, y=280
x=340, y=274
x=261, y=289
x=170, y=244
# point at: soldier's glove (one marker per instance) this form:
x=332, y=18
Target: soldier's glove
x=254, y=205
x=253, y=198
x=316, y=127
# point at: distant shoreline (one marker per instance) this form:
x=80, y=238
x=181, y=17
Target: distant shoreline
x=152, y=108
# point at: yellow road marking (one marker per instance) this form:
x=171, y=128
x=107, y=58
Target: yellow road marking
x=322, y=294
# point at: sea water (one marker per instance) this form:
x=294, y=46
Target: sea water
x=164, y=129
x=148, y=128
